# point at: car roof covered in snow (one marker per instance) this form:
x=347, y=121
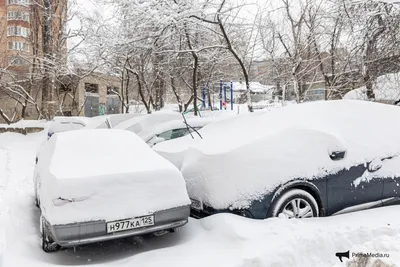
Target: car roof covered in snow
x=62, y=124
x=99, y=152
x=208, y=131
x=195, y=122
x=148, y=121
x=353, y=121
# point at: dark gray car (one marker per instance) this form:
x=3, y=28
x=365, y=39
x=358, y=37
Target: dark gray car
x=305, y=160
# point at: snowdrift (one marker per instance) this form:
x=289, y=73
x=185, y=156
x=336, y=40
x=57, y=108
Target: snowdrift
x=105, y=175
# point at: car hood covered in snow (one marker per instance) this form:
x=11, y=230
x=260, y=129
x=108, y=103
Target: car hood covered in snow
x=105, y=175
x=242, y=159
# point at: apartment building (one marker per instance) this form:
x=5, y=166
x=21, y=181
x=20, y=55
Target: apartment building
x=21, y=32
x=15, y=31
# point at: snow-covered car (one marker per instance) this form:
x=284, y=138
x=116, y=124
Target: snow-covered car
x=103, y=184
x=307, y=160
x=174, y=149
x=109, y=121
x=162, y=126
x=175, y=129
x=63, y=124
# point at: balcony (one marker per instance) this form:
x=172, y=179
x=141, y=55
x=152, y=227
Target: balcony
x=17, y=15
x=18, y=31
x=18, y=2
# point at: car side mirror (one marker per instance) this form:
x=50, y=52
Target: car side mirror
x=337, y=155
x=374, y=165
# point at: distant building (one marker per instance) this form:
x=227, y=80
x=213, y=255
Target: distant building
x=258, y=91
x=90, y=96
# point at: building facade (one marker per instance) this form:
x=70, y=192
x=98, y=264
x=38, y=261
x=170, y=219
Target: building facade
x=15, y=34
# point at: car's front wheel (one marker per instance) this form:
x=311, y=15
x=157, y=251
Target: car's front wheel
x=47, y=243
x=295, y=203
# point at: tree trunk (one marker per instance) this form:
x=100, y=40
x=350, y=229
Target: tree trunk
x=240, y=61
x=195, y=71
x=121, y=94
x=188, y=103
x=48, y=103
x=127, y=93
x=175, y=91
x=5, y=117
x=147, y=106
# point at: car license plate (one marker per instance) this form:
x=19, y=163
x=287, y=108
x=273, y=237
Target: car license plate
x=123, y=225
x=196, y=204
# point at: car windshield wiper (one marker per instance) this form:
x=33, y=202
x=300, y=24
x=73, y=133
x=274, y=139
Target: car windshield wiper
x=190, y=127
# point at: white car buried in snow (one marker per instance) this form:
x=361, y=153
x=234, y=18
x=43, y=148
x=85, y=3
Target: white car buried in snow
x=100, y=184
x=162, y=126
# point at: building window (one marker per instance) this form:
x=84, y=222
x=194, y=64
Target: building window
x=17, y=15
x=112, y=90
x=18, y=46
x=18, y=2
x=91, y=88
x=17, y=61
x=18, y=31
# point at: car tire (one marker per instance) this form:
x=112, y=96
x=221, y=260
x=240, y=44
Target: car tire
x=47, y=242
x=295, y=203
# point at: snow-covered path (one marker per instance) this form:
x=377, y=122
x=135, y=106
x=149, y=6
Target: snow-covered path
x=221, y=240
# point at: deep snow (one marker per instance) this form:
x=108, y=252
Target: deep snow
x=221, y=240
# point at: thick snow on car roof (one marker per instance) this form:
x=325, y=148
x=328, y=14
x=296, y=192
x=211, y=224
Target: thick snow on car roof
x=243, y=161
x=353, y=121
x=66, y=124
x=159, y=128
x=209, y=131
x=101, y=152
x=145, y=126
x=106, y=174
x=140, y=123
x=116, y=119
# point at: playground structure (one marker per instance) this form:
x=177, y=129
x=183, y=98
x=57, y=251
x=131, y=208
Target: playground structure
x=223, y=86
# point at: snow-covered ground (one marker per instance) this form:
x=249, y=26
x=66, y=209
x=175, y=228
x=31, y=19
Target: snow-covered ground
x=221, y=240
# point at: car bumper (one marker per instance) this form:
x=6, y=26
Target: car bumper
x=75, y=234
x=208, y=211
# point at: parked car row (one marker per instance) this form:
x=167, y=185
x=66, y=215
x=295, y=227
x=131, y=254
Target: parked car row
x=149, y=173
x=98, y=179
x=152, y=128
